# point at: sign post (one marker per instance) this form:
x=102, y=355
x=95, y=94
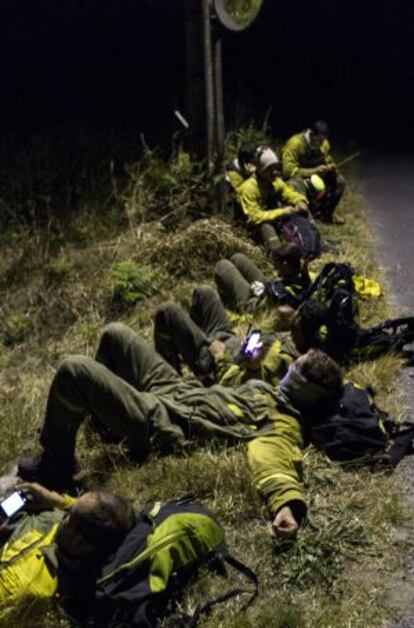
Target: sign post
x=204, y=21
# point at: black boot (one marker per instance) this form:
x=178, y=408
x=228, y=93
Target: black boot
x=48, y=472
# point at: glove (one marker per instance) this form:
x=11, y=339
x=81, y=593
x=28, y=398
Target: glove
x=257, y=288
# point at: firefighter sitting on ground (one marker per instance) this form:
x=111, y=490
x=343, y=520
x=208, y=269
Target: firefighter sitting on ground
x=307, y=154
x=266, y=199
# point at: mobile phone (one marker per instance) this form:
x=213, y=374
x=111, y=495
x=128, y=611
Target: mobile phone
x=12, y=504
x=252, y=343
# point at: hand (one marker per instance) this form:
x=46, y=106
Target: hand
x=322, y=169
x=43, y=495
x=217, y=349
x=290, y=211
x=302, y=208
x=257, y=288
x=284, y=524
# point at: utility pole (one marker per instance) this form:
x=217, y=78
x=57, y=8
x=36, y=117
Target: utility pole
x=205, y=20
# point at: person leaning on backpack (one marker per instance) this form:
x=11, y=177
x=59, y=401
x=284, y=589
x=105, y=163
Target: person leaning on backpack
x=242, y=285
x=309, y=153
x=60, y=549
x=133, y=394
x=191, y=337
x=266, y=199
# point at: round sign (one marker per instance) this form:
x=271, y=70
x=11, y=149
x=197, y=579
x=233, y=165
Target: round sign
x=237, y=14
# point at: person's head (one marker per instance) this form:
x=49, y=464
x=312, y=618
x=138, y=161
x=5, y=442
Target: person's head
x=93, y=528
x=287, y=260
x=267, y=164
x=313, y=382
x=306, y=324
x=319, y=132
x=246, y=155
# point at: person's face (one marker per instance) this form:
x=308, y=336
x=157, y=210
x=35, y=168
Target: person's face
x=271, y=173
x=73, y=547
x=317, y=139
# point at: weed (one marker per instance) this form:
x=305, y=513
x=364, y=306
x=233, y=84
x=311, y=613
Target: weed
x=15, y=330
x=133, y=282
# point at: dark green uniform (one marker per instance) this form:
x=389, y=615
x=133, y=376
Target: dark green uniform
x=133, y=392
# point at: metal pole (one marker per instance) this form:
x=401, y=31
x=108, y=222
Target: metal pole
x=219, y=121
x=209, y=82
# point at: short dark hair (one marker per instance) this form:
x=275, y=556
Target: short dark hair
x=287, y=252
x=311, y=315
x=317, y=367
x=320, y=127
x=107, y=523
x=246, y=153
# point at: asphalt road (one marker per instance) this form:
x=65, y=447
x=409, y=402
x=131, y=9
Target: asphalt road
x=387, y=184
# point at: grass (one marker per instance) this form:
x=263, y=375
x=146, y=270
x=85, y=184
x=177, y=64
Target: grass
x=336, y=574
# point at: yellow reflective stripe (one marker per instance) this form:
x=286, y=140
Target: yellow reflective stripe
x=283, y=476
x=294, y=171
x=155, y=509
x=235, y=410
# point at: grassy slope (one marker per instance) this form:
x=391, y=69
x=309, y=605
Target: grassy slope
x=334, y=575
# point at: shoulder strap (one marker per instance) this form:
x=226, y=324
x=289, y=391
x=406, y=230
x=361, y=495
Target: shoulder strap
x=191, y=621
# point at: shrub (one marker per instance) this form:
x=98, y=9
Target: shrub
x=172, y=190
x=15, y=330
x=133, y=282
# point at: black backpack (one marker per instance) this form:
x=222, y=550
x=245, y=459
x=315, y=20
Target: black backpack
x=334, y=287
x=299, y=230
x=359, y=431
x=159, y=556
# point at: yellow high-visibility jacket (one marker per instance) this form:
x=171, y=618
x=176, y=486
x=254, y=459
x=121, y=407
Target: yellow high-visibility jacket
x=275, y=460
x=299, y=159
x=28, y=562
x=263, y=202
x=274, y=366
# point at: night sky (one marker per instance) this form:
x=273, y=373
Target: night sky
x=115, y=63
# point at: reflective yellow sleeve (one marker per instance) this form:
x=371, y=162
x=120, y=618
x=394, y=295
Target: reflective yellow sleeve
x=326, y=152
x=252, y=206
x=288, y=194
x=275, y=461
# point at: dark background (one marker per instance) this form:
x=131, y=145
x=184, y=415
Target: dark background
x=121, y=64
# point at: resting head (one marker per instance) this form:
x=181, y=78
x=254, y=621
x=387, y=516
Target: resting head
x=93, y=528
x=287, y=260
x=314, y=382
x=307, y=324
x=246, y=156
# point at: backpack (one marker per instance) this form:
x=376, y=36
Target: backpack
x=334, y=287
x=159, y=556
x=358, y=430
x=390, y=335
x=299, y=230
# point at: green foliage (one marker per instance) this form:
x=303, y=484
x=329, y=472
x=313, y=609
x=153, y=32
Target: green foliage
x=16, y=328
x=258, y=136
x=173, y=190
x=133, y=282
x=56, y=270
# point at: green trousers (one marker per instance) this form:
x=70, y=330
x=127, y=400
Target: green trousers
x=233, y=279
x=182, y=336
x=130, y=390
